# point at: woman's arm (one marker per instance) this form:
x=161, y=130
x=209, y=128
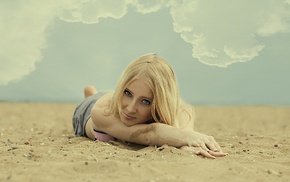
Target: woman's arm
x=150, y=134
x=147, y=134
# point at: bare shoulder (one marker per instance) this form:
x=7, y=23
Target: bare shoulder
x=104, y=100
x=101, y=106
x=98, y=112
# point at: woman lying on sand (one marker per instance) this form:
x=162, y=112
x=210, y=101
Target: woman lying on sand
x=145, y=109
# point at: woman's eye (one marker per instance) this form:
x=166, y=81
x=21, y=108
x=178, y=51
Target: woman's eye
x=147, y=102
x=127, y=93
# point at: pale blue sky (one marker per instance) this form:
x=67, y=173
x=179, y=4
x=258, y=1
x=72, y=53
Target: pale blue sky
x=222, y=53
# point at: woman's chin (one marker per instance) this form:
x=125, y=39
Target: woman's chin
x=125, y=121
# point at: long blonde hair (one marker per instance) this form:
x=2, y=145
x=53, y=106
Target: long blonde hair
x=162, y=82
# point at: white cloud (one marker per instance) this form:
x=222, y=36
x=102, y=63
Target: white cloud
x=222, y=32
x=22, y=35
x=276, y=17
x=24, y=25
x=90, y=11
x=145, y=6
x=242, y=55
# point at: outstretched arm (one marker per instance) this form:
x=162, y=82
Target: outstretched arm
x=147, y=134
x=152, y=134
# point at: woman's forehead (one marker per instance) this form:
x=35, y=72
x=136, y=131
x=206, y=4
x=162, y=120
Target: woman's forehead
x=140, y=87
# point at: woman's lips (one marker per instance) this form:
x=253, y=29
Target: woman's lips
x=128, y=117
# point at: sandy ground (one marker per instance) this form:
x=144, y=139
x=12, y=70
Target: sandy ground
x=37, y=144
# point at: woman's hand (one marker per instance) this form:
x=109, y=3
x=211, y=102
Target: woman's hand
x=205, y=153
x=201, y=144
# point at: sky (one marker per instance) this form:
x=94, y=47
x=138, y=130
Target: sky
x=223, y=52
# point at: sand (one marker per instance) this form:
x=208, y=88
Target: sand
x=37, y=144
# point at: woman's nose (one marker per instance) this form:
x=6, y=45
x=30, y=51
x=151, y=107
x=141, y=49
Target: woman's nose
x=131, y=107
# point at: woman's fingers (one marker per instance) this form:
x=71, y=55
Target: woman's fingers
x=217, y=154
x=204, y=153
x=214, y=150
x=204, y=147
x=207, y=145
x=212, y=145
x=198, y=151
x=217, y=146
x=209, y=154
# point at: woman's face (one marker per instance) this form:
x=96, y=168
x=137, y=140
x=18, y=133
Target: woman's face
x=136, y=103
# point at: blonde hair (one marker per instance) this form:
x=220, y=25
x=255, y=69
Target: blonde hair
x=162, y=82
